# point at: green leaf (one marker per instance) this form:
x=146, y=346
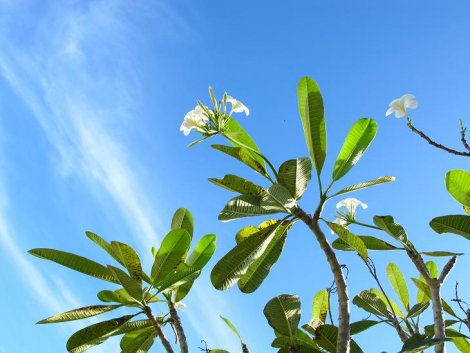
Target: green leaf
x=441, y=253
x=353, y=240
x=105, y=246
x=417, y=309
x=248, y=206
x=78, y=314
x=320, y=305
x=183, y=219
x=244, y=156
x=133, y=326
x=117, y=296
x=458, y=185
x=423, y=290
x=259, y=269
x=200, y=256
x=461, y=344
x=172, y=251
x=397, y=280
x=281, y=197
x=456, y=224
x=235, y=263
x=371, y=243
x=75, y=262
x=391, y=306
x=365, y=184
x=418, y=343
x=232, y=327
x=388, y=225
x=371, y=303
x=359, y=137
x=243, y=139
x=95, y=334
x=130, y=259
x=295, y=174
x=359, y=326
x=327, y=336
x=312, y=115
x=138, y=342
x=177, y=278
x=283, y=314
x=237, y=184
x=133, y=287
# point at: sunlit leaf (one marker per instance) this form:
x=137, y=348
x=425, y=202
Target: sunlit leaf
x=388, y=225
x=183, y=219
x=458, y=185
x=320, y=305
x=238, y=184
x=80, y=313
x=283, y=314
x=365, y=184
x=371, y=243
x=397, y=280
x=294, y=174
x=456, y=224
x=353, y=240
x=244, y=156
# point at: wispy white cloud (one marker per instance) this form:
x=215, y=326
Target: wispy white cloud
x=78, y=77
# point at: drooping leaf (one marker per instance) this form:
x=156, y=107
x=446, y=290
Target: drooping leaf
x=75, y=262
x=133, y=326
x=283, y=314
x=458, y=185
x=312, y=115
x=353, y=240
x=238, y=184
x=200, y=256
x=243, y=155
x=243, y=139
x=418, y=309
x=320, y=305
x=388, y=225
x=259, y=269
x=235, y=263
x=397, y=280
x=232, y=327
x=80, y=313
x=183, y=219
x=456, y=224
x=177, y=278
x=365, y=184
x=359, y=326
x=172, y=251
x=371, y=243
x=295, y=174
x=248, y=206
x=359, y=137
x=371, y=303
x=130, y=260
x=94, y=334
x=133, y=287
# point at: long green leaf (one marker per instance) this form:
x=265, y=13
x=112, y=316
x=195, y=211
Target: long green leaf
x=392, y=306
x=327, y=336
x=172, y=251
x=320, y=305
x=283, y=314
x=388, y=225
x=461, y=344
x=371, y=243
x=80, y=313
x=456, y=224
x=359, y=137
x=130, y=259
x=397, y=280
x=75, y=262
x=295, y=174
x=248, y=206
x=441, y=253
x=235, y=263
x=138, y=342
x=260, y=268
x=95, y=334
x=312, y=115
x=238, y=184
x=105, y=246
x=132, y=286
x=177, y=278
x=371, y=303
x=244, y=156
x=248, y=231
x=417, y=309
x=365, y=184
x=116, y=296
x=232, y=327
x=183, y=219
x=353, y=240
x=359, y=326
x=458, y=185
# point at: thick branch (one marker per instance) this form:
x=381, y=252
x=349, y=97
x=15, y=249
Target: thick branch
x=178, y=328
x=434, y=288
x=342, y=344
x=158, y=329
x=447, y=268
x=436, y=144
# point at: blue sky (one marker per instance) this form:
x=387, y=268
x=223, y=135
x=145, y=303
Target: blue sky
x=92, y=94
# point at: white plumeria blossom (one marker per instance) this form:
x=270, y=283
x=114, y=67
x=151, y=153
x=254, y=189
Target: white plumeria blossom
x=341, y=222
x=180, y=305
x=237, y=106
x=351, y=204
x=400, y=105
x=195, y=119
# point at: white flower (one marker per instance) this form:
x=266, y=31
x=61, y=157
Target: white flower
x=400, y=105
x=180, y=305
x=341, y=221
x=237, y=106
x=195, y=119
x=351, y=205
